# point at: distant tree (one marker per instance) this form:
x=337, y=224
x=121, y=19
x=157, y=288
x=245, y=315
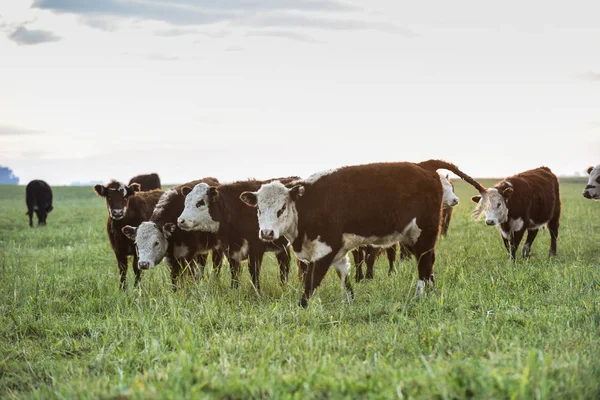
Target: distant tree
x=7, y=177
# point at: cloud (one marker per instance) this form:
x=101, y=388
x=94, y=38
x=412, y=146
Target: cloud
x=24, y=36
x=10, y=130
x=286, y=35
x=235, y=48
x=589, y=76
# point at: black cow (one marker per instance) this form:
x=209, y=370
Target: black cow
x=38, y=196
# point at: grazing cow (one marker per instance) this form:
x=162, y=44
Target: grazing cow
x=219, y=210
x=38, y=196
x=368, y=254
x=592, y=190
x=331, y=213
x=159, y=237
x=524, y=202
x=147, y=182
x=126, y=206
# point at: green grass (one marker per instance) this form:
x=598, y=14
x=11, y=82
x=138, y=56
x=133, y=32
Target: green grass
x=491, y=328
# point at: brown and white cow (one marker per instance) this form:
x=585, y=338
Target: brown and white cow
x=524, y=202
x=126, y=205
x=592, y=190
x=147, y=181
x=159, y=238
x=368, y=254
x=219, y=210
x=328, y=214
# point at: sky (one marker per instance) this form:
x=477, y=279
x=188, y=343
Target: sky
x=92, y=90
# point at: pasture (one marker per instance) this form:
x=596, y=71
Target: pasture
x=490, y=329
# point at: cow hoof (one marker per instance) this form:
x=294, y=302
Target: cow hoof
x=303, y=303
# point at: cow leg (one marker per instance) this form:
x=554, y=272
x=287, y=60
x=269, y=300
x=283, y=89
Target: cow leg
x=217, y=260
x=446, y=217
x=175, y=273
x=372, y=253
x=506, y=244
x=313, y=277
x=254, y=264
x=515, y=240
x=531, y=234
x=358, y=255
x=122, y=263
x=136, y=270
x=342, y=267
x=201, y=260
x=553, y=228
x=283, y=259
x=40, y=218
x=425, y=266
x=302, y=269
x=404, y=252
x=234, y=264
x=391, y=255
x=30, y=214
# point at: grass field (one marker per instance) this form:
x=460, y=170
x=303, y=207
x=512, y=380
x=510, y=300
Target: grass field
x=490, y=329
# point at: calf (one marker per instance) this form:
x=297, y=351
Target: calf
x=147, y=182
x=331, y=213
x=368, y=254
x=38, y=196
x=219, y=210
x=524, y=202
x=592, y=190
x=127, y=206
x=159, y=237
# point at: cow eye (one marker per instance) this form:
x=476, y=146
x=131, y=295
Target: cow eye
x=200, y=203
x=155, y=244
x=280, y=211
x=498, y=205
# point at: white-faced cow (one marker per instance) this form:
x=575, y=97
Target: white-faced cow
x=159, y=237
x=219, y=210
x=368, y=254
x=592, y=190
x=524, y=202
x=38, y=197
x=147, y=181
x=329, y=214
x=126, y=206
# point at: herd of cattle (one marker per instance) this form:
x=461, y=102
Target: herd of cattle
x=361, y=209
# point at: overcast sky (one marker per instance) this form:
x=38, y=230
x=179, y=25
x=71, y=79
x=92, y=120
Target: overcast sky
x=93, y=90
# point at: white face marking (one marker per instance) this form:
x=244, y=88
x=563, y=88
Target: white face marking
x=315, y=177
x=592, y=190
x=195, y=215
x=151, y=243
x=180, y=251
x=496, y=211
x=313, y=250
x=449, y=199
x=123, y=189
x=276, y=211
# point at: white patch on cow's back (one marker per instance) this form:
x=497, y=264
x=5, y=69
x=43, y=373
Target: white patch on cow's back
x=316, y=176
x=313, y=250
x=163, y=202
x=180, y=251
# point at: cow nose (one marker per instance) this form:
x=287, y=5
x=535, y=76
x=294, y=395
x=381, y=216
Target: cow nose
x=266, y=234
x=454, y=202
x=587, y=195
x=181, y=222
x=143, y=264
x=489, y=222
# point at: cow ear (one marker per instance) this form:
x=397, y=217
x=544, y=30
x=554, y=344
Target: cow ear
x=100, y=190
x=186, y=190
x=296, y=191
x=506, y=193
x=131, y=189
x=589, y=170
x=129, y=231
x=249, y=198
x=476, y=199
x=168, y=229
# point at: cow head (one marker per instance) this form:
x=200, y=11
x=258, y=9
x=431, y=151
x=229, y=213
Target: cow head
x=495, y=204
x=151, y=242
x=276, y=208
x=449, y=199
x=117, y=196
x=196, y=214
x=592, y=190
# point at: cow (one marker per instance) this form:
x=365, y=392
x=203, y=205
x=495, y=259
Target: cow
x=126, y=206
x=147, y=181
x=527, y=201
x=592, y=190
x=38, y=197
x=159, y=238
x=330, y=213
x=368, y=254
x=218, y=210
